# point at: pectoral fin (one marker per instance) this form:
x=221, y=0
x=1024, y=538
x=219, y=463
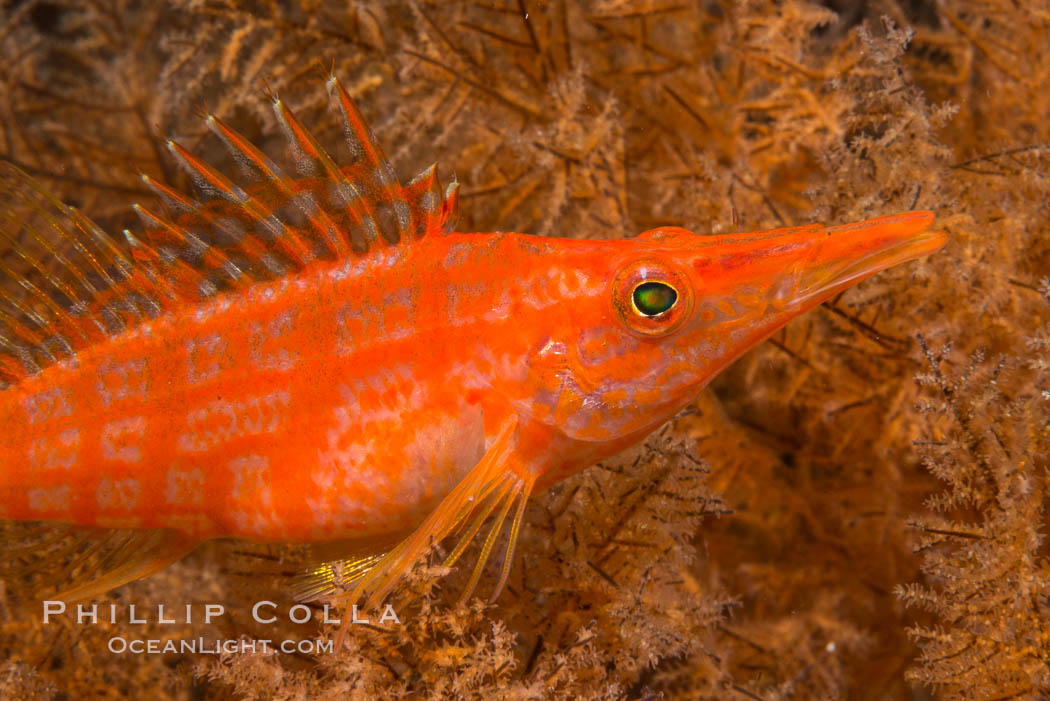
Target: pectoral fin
x=490, y=487
x=337, y=566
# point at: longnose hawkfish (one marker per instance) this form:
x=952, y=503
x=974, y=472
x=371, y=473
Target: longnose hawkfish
x=317, y=356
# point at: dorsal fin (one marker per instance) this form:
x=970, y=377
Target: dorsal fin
x=73, y=284
x=67, y=284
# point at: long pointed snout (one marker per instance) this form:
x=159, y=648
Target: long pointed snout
x=795, y=269
x=752, y=284
x=844, y=255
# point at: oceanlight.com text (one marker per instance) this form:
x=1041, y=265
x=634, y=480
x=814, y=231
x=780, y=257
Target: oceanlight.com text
x=153, y=646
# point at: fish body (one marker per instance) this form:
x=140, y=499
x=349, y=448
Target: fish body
x=396, y=394
x=342, y=403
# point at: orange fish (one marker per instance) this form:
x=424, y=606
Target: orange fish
x=316, y=356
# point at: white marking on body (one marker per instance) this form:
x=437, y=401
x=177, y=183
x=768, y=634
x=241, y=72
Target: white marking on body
x=185, y=487
x=125, y=380
x=50, y=499
x=116, y=436
x=206, y=358
x=338, y=461
x=269, y=350
x=563, y=286
x=500, y=308
x=222, y=420
x=55, y=451
x=204, y=311
x=251, y=489
x=457, y=254
x=343, y=271
x=356, y=327
x=118, y=494
x=588, y=286
x=468, y=376
x=50, y=404
x=249, y=480
x=536, y=296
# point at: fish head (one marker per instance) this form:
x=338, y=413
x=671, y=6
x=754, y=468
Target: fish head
x=676, y=308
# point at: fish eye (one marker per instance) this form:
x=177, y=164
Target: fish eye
x=653, y=298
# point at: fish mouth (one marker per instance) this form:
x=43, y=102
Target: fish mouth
x=854, y=252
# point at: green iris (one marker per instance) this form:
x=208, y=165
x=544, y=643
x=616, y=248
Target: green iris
x=654, y=298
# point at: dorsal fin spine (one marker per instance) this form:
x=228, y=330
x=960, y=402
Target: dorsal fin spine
x=302, y=150
x=207, y=177
x=242, y=148
x=146, y=260
x=181, y=282
x=212, y=257
x=246, y=244
x=292, y=244
x=187, y=206
x=303, y=140
x=450, y=208
x=425, y=191
x=362, y=140
x=233, y=193
x=359, y=136
x=173, y=197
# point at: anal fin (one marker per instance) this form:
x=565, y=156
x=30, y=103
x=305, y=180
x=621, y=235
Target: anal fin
x=144, y=553
x=84, y=563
